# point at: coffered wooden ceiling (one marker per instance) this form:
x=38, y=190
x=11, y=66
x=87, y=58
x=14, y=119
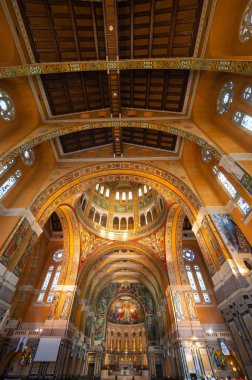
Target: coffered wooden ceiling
x=70, y=30
x=78, y=141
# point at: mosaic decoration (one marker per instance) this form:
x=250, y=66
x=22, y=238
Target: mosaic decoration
x=14, y=241
x=46, y=134
x=145, y=200
x=231, y=234
x=213, y=242
x=199, y=64
x=102, y=202
x=179, y=248
x=172, y=270
x=156, y=242
x=191, y=306
x=89, y=243
x=23, y=260
x=178, y=305
x=125, y=310
x=145, y=171
x=132, y=304
x=206, y=254
x=122, y=207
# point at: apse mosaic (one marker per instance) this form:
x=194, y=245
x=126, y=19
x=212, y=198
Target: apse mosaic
x=126, y=310
x=131, y=304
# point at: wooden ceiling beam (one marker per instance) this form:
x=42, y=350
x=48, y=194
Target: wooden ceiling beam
x=112, y=53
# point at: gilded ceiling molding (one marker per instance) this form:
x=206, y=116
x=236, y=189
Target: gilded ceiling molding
x=236, y=66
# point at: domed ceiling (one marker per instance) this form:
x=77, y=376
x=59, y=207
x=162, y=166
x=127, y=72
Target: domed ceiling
x=125, y=310
x=121, y=210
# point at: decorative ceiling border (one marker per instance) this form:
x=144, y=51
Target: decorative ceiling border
x=236, y=66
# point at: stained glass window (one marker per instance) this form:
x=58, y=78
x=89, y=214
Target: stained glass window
x=199, y=277
x=246, y=23
x=247, y=94
x=145, y=189
x=117, y=195
x=130, y=195
x=206, y=155
x=102, y=190
x=188, y=254
x=107, y=193
x=47, y=279
x=206, y=297
x=123, y=196
x=225, y=98
x=191, y=278
x=56, y=278
x=225, y=182
x=196, y=297
x=243, y=120
x=7, y=109
x=40, y=297
x=57, y=256
x=28, y=157
x=97, y=186
x=244, y=206
x=140, y=193
x=6, y=167
x=9, y=183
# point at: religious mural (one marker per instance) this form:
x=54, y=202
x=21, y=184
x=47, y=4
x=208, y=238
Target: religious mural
x=125, y=310
x=231, y=234
x=156, y=242
x=132, y=304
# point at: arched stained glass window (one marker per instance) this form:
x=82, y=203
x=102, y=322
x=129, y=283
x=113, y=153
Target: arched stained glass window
x=243, y=120
x=243, y=205
x=54, y=283
x=7, y=109
x=225, y=182
x=225, y=98
x=6, y=167
x=123, y=196
x=246, y=23
x=9, y=183
x=97, y=186
x=247, y=94
x=145, y=189
x=117, y=195
x=107, y=193
x=130, y=196
x=200, y=278
x=140, y=193
x=190, y=277
x=102, y=190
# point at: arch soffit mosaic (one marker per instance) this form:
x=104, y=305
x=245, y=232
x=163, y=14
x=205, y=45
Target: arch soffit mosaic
x=47, y=132
x=167, y=184
x=145, y=252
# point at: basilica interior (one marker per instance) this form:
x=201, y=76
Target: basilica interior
x=125, y=189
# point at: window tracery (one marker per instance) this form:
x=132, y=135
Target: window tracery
x=57, y=256
x=28, y=157
x=188, y=254
x=243, y=120
x=206, y=155
x=48, y=278
x=225, y=182
x=6, y=167
x=198, y=286
x=7, y=109
x=247, y=94
x=225, y=98
x=246, y=23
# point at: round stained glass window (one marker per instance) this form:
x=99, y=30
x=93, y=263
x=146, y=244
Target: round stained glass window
x=7, y=109
x=28, y=157
x=206, y=155
x=246, y=23
x=188, y=254
x=58, y=255
x=225, y=98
